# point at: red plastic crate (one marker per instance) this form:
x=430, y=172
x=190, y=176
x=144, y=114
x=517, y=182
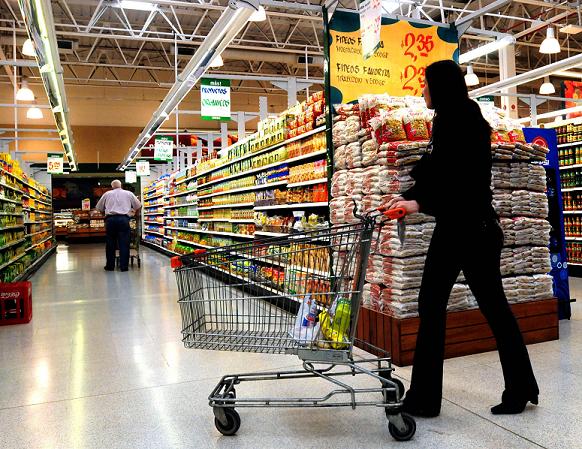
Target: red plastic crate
x=15, y=303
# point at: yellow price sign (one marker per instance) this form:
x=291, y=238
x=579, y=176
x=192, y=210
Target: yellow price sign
x=397, y=67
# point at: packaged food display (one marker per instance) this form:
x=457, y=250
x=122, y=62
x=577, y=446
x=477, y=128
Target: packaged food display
x=376, y=144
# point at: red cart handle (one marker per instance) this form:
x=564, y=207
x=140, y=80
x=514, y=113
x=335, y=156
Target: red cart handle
x=393, y=214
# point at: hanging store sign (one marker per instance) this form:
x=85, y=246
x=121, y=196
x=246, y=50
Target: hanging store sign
x=142, y=168
x=54, y=164
x=130, y=177
x=215, y=99
x=396, y=68
x=163, y=148
x=370, y=26
x=486, y=100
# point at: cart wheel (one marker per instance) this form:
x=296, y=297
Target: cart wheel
x=408, y=433
x=232, y=425
x=387, y=374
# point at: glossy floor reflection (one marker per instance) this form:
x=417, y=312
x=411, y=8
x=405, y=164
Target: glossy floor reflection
x=101, y=366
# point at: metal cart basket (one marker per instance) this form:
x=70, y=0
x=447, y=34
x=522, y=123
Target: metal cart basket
x=298, y=295
x=134, y=238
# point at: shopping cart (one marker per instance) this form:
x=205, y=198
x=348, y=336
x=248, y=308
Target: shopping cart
x=134, y=238
x=295, y=295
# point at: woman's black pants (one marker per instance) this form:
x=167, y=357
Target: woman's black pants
x=476, y=250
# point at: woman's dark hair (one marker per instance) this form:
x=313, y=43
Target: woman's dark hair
x=449, y=95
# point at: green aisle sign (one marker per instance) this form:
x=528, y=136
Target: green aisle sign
x=163, y=149
x=215, y=99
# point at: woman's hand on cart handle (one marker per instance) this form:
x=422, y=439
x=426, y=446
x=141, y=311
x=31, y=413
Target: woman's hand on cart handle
x=392, y=214
x=393, y=201
x=410, y=207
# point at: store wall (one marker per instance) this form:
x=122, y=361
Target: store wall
x=106, y=120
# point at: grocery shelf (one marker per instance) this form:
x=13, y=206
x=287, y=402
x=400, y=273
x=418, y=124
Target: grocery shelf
x=573, y=239
x=153, y=197
x=165, y=250
x=8, y=200
x=272, y=234
x=246, y=189
x=6, y=186
x=12, y=227
x=23, y=182
x=265, y=167
x=147, y=231
x=38, y=211
x=228, y=234
x=175, y=206
x=15, y=242
x=34, y=266
x=181, y=193
x=154, y=223
x=227, y=206
x=568, y=167
x=264, y=150
x=182, y=217
x=189, y=178
x=294, y=206
x=195, y=244
x=10, y=214
x=38, y=222
x=228, y=220
x=11, y=261
x=38, y=232
x=154, y=213
x=42, y=202
x=570, y=212
x=307, y=183
x=40, y=243
x=571, y=144
x=572, y=189
x=154, y=205
x=578, y=264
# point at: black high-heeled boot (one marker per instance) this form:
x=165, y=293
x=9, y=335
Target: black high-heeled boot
x=415, y=407
x=512, y=404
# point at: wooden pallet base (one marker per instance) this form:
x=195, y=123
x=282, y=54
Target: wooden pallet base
x=467, y=331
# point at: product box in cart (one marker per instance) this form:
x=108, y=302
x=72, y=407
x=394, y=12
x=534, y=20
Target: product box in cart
x=15, y=303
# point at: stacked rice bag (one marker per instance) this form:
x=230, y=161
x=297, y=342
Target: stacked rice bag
x=376, y=144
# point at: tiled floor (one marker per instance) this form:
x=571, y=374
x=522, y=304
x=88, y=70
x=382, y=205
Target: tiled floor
x=101, y=366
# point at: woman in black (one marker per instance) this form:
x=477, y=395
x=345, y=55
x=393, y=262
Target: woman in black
x=453, y=185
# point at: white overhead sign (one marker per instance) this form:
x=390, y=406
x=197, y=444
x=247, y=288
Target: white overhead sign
x=214, y=99
x=142, y=168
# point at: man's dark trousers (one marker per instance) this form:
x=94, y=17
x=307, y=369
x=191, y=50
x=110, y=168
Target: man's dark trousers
x=117, y=229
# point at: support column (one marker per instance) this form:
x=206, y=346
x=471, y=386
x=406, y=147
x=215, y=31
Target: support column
x=182, y=155
x=241, y=122
x=223, y=135
x=292, y=91
x=507, y=70
x=199, y=150
x=263, y=108
x=189, y=152
x=210, y=143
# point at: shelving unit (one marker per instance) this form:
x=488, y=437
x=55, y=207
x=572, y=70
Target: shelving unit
x=20, y=217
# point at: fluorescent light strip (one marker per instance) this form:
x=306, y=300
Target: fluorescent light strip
x=486, y=49
x=552, y=114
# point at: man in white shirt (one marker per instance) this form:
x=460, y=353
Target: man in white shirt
x=118, y=205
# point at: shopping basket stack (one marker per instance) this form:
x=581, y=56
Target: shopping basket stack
x=295, y=295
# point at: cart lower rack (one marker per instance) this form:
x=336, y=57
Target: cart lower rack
x=295, y=295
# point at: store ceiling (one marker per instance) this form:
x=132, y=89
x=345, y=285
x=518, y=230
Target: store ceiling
x=110, y=46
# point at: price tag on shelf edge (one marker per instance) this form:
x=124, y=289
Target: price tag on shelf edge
x=54, y=164
x=163, y=149
x=142, y=168
x=130, y=177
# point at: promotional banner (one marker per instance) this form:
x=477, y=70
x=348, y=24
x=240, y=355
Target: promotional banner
x=142, y=168
x=163, y=148
x=54, y=164
x=558, y=253
x=397, y=67
x=215, y=99
x=130, y=177
x=573, y=89
x=370, y=20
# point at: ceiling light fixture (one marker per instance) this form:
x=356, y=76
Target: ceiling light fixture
x=28, y=48
x=259, y=16
x=547, y=88
x=470, y=78
x=217, y=62
x=137, y=5
x=550, y=45
x=571, y=29
x=486, y=49
x=24, y=93
x=552, y=114
x=34, y=113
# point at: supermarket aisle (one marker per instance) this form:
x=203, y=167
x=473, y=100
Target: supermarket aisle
x=101, y=366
